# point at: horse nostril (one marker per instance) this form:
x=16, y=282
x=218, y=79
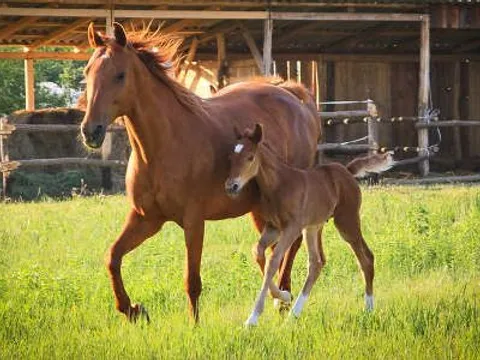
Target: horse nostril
x=99, y=129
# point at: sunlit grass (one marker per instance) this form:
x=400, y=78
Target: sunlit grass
x=56, y=301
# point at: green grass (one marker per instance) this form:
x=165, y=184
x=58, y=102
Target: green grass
x=56, y=301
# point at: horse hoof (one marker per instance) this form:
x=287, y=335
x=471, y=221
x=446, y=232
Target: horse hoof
x=138, y=311
x=368, y=303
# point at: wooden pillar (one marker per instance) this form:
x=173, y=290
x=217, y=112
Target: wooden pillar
x=372, y=126
x=267, y=47
x=29, y=85
x=457, y=143
x=106, y=171
x=424, y=92
x=3, y=158
x=257, y=56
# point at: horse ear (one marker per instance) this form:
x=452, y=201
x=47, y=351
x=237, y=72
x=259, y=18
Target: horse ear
x=257, y=135
x=94, y=38
x=238, y=134
x=119, y=34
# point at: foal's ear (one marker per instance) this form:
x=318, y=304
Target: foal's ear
x=257, y=135
x=94, y=38
x=119, y=34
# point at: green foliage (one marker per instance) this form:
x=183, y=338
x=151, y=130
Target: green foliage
x=36, y=185
x=56, y=300
x=66, y=73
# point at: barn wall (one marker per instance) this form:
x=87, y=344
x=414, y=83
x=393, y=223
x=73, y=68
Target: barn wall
x=392, y=85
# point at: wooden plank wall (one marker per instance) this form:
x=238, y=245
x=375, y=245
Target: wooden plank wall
x=392, y=85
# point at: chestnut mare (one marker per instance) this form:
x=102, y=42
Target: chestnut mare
x=181, y=144
x=295, y=201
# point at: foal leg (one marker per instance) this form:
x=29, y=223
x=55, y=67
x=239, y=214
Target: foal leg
x=268, y=238
x=135, y=231
x=281, y=293
x=315, y=264
x=285, y=241
x=348, y=225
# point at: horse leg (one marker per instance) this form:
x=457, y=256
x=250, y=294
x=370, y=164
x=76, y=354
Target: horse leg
x=348, y=225
x=194, y=232
x=315, y=264
x=285, y=241
x=135, y=231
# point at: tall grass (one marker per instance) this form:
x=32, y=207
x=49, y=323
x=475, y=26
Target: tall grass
x=56, y=301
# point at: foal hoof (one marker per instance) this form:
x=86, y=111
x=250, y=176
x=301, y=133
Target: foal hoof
x=281, y=305
x=137, y=312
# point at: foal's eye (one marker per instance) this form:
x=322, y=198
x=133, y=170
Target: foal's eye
x=120, y=77
x=250, y=158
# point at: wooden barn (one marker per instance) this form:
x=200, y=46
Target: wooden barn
x=411, y=57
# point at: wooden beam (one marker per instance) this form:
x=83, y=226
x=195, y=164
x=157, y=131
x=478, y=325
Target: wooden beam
x=353, y=38
x=212, y=14
x=44, y=55
x=58, y=34
x=267, y=47
x=291, y=34
x=424, y=92
x=257, y=56
x=13, y=27
x=29, y=85
x=225, y=28
x=221, y=48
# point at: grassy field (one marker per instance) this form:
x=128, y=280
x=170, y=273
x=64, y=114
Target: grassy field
x=56, y=301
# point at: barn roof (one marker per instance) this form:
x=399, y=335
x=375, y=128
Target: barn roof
x=455, y=23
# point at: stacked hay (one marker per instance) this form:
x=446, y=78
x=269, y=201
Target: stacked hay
x=58, y=180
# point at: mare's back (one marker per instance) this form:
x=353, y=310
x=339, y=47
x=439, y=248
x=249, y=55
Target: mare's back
x=291, y=129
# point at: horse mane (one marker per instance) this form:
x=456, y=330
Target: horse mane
x=158, y=52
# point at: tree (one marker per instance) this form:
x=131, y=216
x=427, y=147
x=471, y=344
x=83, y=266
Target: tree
x=67, y=74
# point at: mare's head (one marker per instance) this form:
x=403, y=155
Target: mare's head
x=111, y=88
x=244, y=160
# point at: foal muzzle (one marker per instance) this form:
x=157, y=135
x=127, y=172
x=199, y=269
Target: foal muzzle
x=233, y=188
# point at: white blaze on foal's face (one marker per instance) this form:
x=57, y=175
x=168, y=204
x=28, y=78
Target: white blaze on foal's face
x=238, y=148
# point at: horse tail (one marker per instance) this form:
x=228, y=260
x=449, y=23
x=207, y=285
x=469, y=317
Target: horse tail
x=377, y=163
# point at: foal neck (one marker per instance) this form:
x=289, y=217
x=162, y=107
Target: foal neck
x=269, y=177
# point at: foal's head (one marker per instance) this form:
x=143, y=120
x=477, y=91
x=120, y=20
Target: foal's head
x=244, y=160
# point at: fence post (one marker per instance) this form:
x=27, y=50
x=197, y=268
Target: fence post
x=4, y=157
x=372, y=126
x=424, y=92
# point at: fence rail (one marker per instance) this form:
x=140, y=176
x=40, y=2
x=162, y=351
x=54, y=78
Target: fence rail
x=330, y=118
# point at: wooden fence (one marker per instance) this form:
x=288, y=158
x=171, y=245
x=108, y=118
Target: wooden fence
x=367, y=115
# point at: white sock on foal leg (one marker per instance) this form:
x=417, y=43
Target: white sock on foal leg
x=299, y=303
x=368, y=302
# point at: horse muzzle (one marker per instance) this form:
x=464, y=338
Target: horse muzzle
x=93, y=136
x=233, y=188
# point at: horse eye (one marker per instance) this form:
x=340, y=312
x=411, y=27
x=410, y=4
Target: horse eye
x=120, y=76
x=250, y=158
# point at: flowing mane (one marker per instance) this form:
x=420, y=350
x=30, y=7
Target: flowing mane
x=159, y=54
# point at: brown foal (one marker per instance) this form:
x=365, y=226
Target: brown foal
x=295, y=201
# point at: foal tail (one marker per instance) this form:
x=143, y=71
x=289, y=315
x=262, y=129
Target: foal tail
x=377, y=163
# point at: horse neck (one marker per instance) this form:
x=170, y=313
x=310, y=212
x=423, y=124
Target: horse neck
x=269, y=177
x=155, y=115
